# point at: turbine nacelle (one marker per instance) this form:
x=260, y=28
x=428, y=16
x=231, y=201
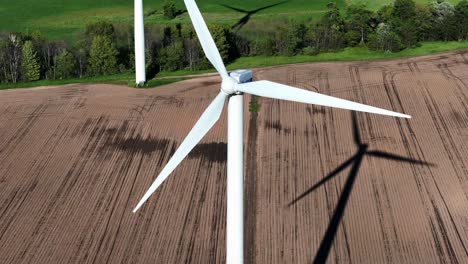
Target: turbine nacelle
x=229, y=86
x=235, y=78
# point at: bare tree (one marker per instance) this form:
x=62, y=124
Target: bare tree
x=192, y=52
x=14, y=59
x=3, y=60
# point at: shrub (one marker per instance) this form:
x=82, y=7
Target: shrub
x=254, y=105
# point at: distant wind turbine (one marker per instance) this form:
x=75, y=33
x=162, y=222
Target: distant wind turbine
x=233, y=86
x=139, y=26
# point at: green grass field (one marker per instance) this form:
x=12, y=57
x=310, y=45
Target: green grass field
x=62, y=19
x=119, y=79
x=348, y=54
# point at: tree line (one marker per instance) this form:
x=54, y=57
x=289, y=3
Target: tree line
x=103, y=48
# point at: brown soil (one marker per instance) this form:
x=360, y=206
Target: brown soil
x=75, y=160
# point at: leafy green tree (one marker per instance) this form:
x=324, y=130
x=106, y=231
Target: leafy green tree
x=406, y=30
x=221, y=36
x=102, y=56
x=404, y=21
x=172, y=57
x=329, y=32
x=290, y=38
x=385, y=14
x=441, y=9
x=404, y=9
x=263, y=44
x=43, y=48
x=30, y=62
x=385, y=39
x=169, y=9
x=298, y=33
x=66, y=65
x=424, y=23
x=443, y=21
x=461, y=19
x=92, y=30
x=100, y=28
x=359, y=21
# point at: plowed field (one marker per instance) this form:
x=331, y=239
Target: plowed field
x=321, y=184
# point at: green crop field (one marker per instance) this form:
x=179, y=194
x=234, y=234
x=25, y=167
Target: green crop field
x=62, y=19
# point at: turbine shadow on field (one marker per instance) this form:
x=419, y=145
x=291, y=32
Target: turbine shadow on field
x=355, y=161
x=241, y=23
x=139, y=144
x=213, y=152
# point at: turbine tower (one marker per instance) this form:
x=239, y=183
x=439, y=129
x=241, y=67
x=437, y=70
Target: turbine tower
x=233, y=86
x=140, y=75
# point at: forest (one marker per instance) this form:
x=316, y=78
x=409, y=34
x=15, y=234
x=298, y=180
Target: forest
x=104, y=48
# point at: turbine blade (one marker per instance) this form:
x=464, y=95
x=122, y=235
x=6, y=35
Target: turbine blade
x=389, y=156
x=206, y=40
x=285, y=92
x=203, y=125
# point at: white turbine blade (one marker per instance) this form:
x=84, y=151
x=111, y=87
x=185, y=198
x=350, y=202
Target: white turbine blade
x=285, y=92
x=203, y=125
x=206, y=40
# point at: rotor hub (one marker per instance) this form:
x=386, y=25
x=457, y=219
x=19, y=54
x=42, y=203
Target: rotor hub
x=229, y=86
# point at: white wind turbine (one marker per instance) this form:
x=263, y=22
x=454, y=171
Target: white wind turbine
x=233, y=90
x=139, y=27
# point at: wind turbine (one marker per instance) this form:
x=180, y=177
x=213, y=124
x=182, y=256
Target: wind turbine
x=233, y=90
x=139, y=27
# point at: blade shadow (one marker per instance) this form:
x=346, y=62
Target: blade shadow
x=356, y=161
x=330, y=233
x=248, y=14
x=394, y=157
x=324, y=180
x=356, y=134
